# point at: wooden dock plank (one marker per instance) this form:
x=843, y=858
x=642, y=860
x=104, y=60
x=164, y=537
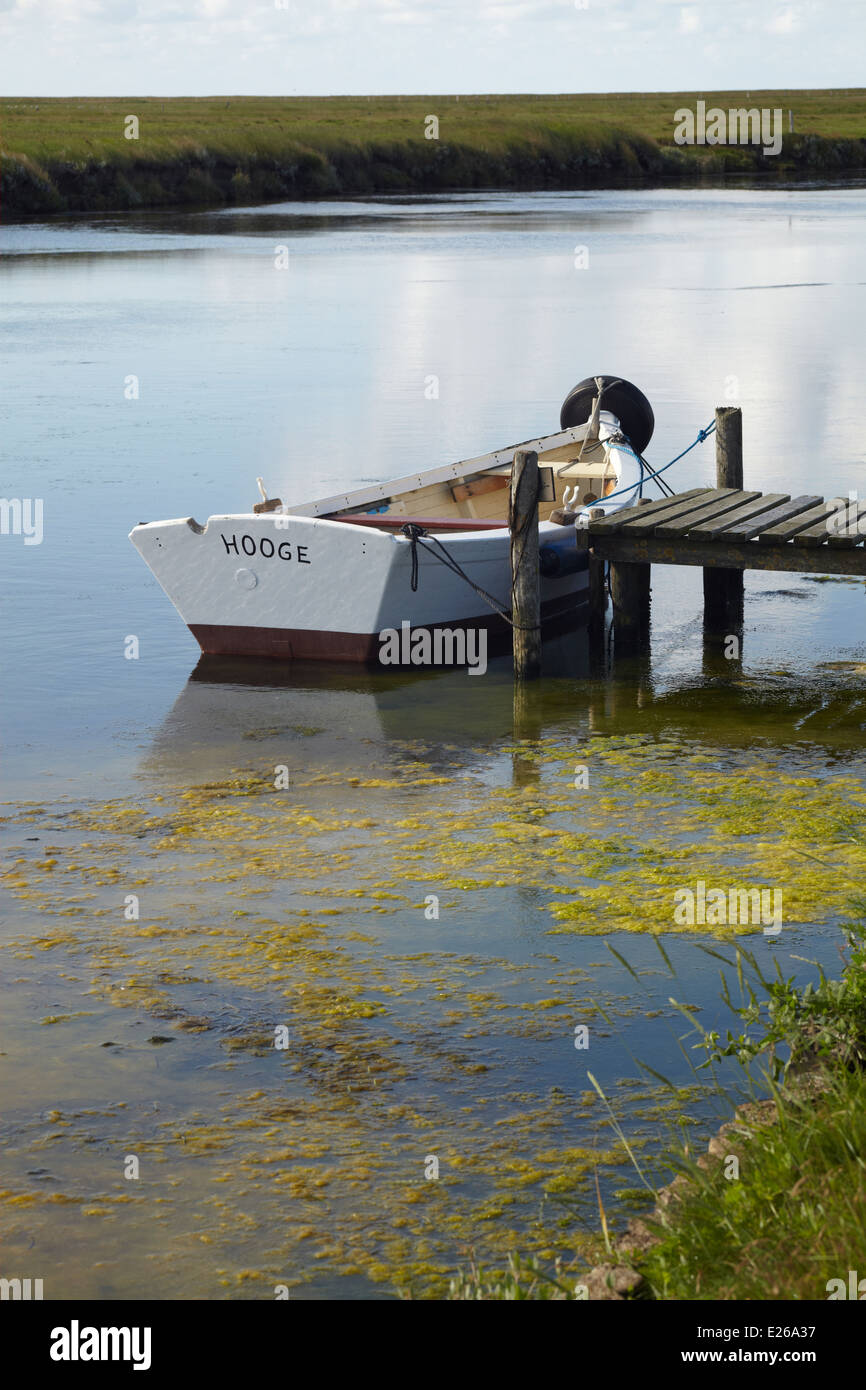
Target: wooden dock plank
x=786, y=530
x=644, y=521
x=820, y=532
x=786, y=513
x=851, y=526
x=716, y=528
x=678, y=526
x=609, y=524
x=682, y=550
x=762, y=503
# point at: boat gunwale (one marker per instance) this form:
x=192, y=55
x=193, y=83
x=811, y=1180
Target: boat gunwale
x=464, y=470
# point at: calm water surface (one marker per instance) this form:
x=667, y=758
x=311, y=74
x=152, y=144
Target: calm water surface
x=409, y=1036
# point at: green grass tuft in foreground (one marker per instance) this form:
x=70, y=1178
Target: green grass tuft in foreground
x=794, y=1219
x=523, y=1281
x=790, y=1214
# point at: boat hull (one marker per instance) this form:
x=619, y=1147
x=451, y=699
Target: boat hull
x=303, y=588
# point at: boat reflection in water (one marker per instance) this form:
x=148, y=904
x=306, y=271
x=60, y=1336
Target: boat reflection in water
x=235, y=710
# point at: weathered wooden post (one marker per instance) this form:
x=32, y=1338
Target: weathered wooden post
x=630, y=594
x=525, y=578
x=597, y=594
x=723, y=588
x=630, y=591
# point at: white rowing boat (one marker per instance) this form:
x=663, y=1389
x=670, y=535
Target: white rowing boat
x=325, y=579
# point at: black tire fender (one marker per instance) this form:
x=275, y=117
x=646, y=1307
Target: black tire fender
x=622, y=398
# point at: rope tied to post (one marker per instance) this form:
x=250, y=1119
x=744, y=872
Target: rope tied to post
x=413, y=533
x=703, y=435
x=416, y=535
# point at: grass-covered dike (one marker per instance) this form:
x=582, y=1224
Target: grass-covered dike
x=74, y=154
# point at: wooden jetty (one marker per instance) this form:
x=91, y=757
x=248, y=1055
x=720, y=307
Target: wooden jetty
x=725, y=530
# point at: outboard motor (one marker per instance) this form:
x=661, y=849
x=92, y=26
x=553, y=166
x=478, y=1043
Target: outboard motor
x=623, y=416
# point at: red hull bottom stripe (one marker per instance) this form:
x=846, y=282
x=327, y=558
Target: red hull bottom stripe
x=300, y=644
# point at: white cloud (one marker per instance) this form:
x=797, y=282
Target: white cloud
x=197, y=47
x=786, y=22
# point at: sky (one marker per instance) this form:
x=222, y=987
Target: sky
x=324, y=47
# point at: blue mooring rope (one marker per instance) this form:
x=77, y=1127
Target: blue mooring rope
x=702, y=435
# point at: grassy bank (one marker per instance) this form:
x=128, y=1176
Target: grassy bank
x=796, y=1218
x=776, y=1209
x=72, y=154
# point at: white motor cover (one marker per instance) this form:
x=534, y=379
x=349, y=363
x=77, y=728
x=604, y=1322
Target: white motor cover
x=628, y=472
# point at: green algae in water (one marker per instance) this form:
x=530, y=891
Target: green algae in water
x=259, y=912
